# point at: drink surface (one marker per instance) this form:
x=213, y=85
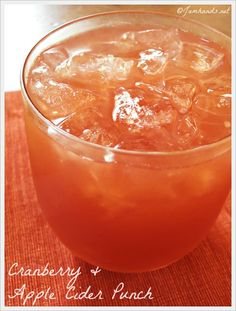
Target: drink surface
x=136, y=88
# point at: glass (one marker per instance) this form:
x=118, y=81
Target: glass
x=125, y=210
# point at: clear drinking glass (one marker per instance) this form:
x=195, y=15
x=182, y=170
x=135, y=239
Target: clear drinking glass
x=124, y=210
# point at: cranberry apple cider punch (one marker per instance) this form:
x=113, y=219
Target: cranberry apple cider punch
x=128, y=119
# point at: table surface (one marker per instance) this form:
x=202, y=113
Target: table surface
x=203, y=278
x=25, y=24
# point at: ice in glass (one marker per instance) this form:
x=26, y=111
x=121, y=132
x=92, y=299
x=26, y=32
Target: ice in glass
x=129, y=136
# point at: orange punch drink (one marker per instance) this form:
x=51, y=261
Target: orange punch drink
x=128, y=119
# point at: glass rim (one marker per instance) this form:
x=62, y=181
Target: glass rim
x=76, y=139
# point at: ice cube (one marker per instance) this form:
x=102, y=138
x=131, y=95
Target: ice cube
x=99, y=135
x=187, y=126
x=154, y=89
x=55, y=99
x=181, y=93
x=95, y=68
x=89, y=125
x=53, y=57
x=41, y=69
x=152, y=61
x=165, y=117
x=209, y=105
x=201, y=58
x=187, y=133
x=217, y=85
x=48, y=61
x=214, y=116
x=126, y=107
x=140, y=109
x=165, y=40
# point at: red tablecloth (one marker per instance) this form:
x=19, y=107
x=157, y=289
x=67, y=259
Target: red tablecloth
x=203, y=278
